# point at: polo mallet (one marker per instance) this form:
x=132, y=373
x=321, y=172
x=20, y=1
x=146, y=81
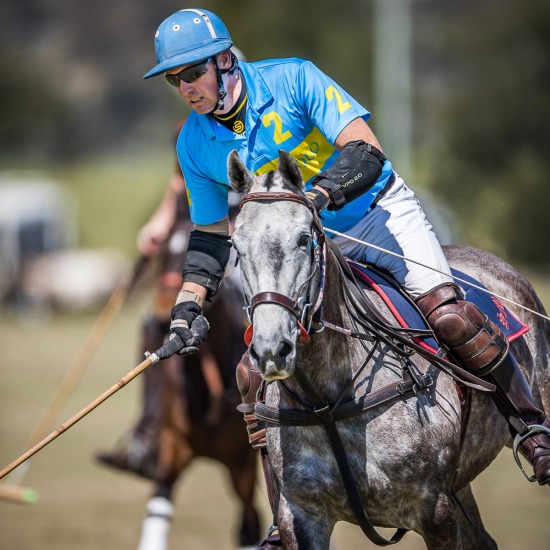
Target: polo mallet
x=13, y=488
x=175, y=345
x=19, y=495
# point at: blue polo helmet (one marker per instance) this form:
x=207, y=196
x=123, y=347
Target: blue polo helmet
x=188, y=36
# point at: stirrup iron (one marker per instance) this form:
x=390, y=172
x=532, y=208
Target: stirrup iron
x=519, y=439
x=271, y=529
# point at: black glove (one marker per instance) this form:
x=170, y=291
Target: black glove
x=189, y=323
x=318, y=198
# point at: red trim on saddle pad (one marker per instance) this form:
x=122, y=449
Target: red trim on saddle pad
x=391, y=306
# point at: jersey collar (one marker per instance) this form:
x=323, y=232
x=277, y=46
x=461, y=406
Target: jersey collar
x=259, y=97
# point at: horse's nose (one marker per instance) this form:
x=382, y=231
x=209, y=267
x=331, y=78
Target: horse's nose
x=273, y=361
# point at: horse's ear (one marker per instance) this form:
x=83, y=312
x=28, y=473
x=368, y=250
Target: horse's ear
x=239, y=177
x=289, y=169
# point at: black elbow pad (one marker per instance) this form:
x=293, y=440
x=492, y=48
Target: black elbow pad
x=207, y=257
x=355, y=171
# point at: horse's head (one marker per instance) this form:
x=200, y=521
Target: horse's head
x=276, y=237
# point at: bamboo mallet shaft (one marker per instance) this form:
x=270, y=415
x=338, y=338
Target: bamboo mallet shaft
x=81, y=414
x=81, y=361
x=174, y=345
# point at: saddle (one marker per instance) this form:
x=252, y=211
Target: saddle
x=408, y=315
x=404, y=335
x=412, y=334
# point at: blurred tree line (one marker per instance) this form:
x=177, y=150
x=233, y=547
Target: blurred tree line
x=72, y=86
x=491, y=148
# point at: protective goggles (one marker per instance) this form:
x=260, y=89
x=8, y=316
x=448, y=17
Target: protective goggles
x=189, y=74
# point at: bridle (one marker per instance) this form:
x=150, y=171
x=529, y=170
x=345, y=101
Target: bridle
x=302, y=312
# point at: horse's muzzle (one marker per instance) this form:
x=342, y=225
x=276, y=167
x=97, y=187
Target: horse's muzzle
x=274, y=360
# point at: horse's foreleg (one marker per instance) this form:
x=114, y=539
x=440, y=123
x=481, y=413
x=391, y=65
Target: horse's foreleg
x=158, y=520
x=440, y=526
x=302, y=531
x=243, y=476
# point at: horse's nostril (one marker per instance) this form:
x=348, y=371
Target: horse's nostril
x=253, y=354
x=284, y=350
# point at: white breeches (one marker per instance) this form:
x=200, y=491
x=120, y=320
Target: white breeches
x=398, y=223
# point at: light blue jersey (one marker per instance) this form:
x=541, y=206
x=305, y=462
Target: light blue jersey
x=293, y=106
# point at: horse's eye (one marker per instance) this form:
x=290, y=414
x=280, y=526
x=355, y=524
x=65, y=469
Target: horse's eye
x=304, y=240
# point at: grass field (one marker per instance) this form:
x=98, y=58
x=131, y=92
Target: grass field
x=86, y=507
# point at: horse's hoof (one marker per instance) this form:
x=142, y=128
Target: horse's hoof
x=126, y=459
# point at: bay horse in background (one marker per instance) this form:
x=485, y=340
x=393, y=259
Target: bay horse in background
x=361, y=424
x=190, y=408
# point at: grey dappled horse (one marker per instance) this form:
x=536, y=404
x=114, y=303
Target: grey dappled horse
x=408, y=458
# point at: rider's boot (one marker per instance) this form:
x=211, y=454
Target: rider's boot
x=533, y=437
x=137, y=451
x=248, y=382
x=482, y=348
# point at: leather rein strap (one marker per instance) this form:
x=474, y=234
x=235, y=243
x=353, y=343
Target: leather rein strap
x=379, y=327
x=326, y=413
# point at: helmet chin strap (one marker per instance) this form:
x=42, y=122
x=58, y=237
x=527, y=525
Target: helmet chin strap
x=222, y=91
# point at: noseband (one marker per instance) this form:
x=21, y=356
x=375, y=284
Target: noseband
x=303, y=315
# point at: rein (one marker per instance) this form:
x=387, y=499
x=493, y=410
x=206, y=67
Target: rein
x=459, y=279
x=374, y=323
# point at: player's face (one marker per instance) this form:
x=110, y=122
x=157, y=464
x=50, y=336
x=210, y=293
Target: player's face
x=197, y=84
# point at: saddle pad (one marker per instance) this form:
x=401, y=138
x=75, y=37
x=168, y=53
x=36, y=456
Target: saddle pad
x=408, y=316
